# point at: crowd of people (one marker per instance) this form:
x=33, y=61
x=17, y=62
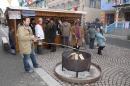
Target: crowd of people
x=95, y=30
x=28, y=32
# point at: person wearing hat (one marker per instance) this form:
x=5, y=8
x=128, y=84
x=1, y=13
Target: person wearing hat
x=53, y=28
x=47, y=33
x=39, y=35
x=92, y=34
x=77, y=33
x=65, y=30
x=39, y=30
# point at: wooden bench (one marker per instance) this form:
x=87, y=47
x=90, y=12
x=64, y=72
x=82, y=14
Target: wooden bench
x=5, y=43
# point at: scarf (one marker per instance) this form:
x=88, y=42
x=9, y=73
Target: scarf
x=78, y=32
x=40, y=25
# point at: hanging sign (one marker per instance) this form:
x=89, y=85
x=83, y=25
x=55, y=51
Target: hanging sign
x=14, y=14
x=28, y=13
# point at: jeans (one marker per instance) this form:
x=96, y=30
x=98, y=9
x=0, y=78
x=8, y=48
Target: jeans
x=26, y=60
x=13, y=49
x=91, y=44
x=65, y=39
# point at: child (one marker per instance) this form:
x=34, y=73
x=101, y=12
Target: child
x=12, y=40
x=101, y=41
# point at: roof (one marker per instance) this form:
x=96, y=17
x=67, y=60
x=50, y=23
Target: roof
x=45, y=10
x=122, y=6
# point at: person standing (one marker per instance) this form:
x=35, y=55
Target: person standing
x=65, y=30
x=77, y=33
x=12, y=40
x=39, y=31
x=53, y=28
x=26, y=47
x=91, y=32
x=47, y=33
x=32, y=25
x=101, y=41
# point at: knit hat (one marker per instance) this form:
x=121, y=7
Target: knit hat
x=40, y=19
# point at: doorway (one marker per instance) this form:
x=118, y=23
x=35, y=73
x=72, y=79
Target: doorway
x=127, y=16
x=109, y=19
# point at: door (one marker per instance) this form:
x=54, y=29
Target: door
x=127, y=16
x=109, y=19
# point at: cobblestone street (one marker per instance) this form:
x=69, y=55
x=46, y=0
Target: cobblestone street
x=115, y=64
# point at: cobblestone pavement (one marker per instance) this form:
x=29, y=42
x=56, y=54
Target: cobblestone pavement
x=115, y=65
x=12, y=72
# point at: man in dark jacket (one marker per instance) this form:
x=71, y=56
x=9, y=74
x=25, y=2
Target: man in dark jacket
x=47, y=33
x=53, y=28
x=92, y=34
x=32, y=25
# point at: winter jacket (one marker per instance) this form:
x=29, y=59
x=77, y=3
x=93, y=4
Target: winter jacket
x=53, y=28
x=24, y=35
x=91, y=32
x=73, y=39
x=100, y=38
x=39, y=32
x=65, y=29
x=32, y=25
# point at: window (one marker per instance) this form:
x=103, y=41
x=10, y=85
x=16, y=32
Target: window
x=77, y=2
x=93, y=3
x=63, y=5
x=83, y=8
x=58, y=6
x=85, y=1
x=53, y=7
x=68, y=5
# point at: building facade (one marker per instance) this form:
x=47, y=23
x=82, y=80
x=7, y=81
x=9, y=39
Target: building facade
x=92, y=7
x=115, y=11
x=38, y=4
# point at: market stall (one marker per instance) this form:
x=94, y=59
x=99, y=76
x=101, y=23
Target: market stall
x=14, y=15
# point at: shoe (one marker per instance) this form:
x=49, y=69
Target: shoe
x=99, y=53
x=30, y=71
x=13, y=53
x=53, y=51
x=39, y=66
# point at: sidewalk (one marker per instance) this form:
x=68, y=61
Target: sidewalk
x=116, y=36
x=12, y=72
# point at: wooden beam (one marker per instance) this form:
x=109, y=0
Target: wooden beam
x=15, y=32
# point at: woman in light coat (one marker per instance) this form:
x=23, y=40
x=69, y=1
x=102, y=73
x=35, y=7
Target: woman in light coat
x=101, y=41
x=77, y=33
